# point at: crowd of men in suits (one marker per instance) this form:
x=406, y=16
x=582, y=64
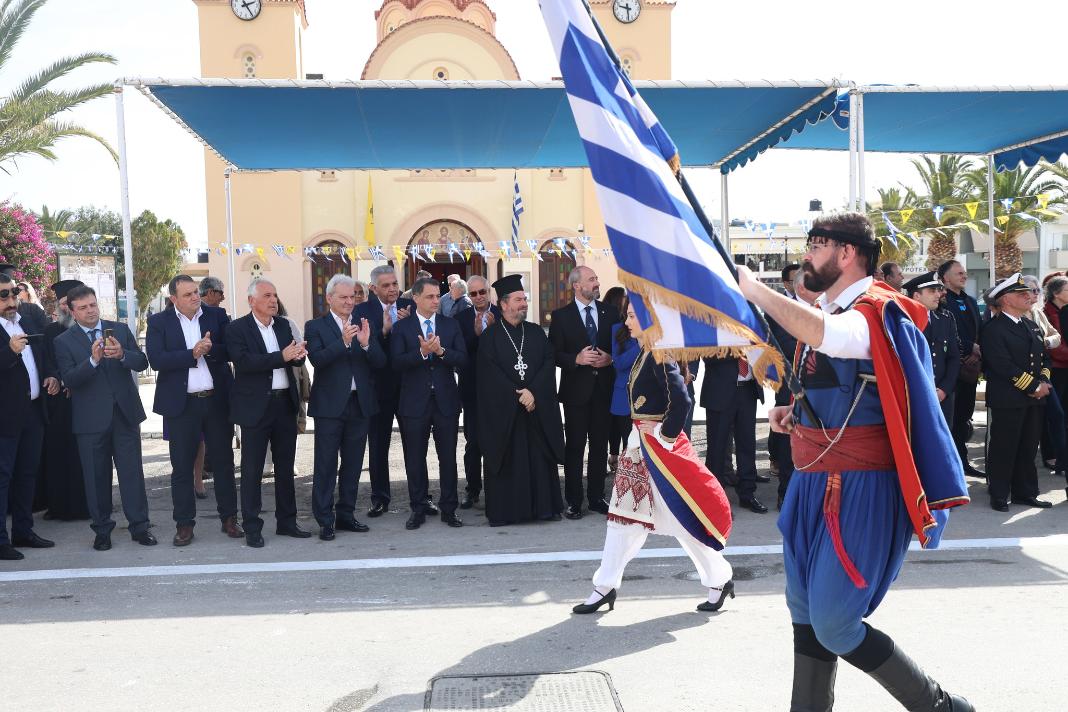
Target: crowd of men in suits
x=379, y=356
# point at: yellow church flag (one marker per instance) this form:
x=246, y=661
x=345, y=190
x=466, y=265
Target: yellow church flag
x=1002, y=219
x=1043, y=199
x=906, y=214
x=972, y=207
x=369, y=221
x=398, y=253
x=351, y=252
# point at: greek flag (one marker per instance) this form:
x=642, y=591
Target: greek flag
x=517, y=210
x=682, y=290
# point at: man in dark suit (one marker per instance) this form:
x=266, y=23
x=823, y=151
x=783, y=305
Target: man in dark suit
x=186, y=346
x=581, y=336
x=97, y=360
x=32, y=315
x=383, y=310
x=343, y=351
x=473, y=321
x=966, y=311
x=264, y=401
x=24, y=379
x=729, y=395
x=427, y=349
x=1017, y=370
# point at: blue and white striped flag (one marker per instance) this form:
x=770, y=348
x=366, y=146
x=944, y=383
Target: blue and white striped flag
x=517, y=210
x=682, y=290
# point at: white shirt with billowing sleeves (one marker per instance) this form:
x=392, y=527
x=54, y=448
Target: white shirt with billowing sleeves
x=845, y=335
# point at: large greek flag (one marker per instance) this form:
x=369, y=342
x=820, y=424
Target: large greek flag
x=680, y=286
x=517, y=210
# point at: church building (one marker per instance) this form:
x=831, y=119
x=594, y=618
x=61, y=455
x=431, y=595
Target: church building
x=424, y=40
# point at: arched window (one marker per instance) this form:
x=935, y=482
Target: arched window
x=248, y=65
x=441, y=73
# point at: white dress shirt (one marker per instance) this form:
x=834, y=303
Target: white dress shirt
x=199, y=376
x=845, y=335
x=341, y=324
x=279, y=379
x=14, y=329
x=582, y=312
x=422, y=326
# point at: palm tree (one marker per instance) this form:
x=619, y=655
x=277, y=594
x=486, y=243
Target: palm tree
x=58, y=221
x=28, y=115
x=944, y=183
x=1015, y=184
x=891, y=200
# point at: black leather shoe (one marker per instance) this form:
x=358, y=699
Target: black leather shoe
x=32, y=542
x=254, y=539
x=326, y=533
x=609, y=598
x=10, y=553
x=600, y=506
x=145, y=538
x=292, y=530
x=999, y=505
x=971, y=471
x=452, y=520
x=1032, y=502
x=573, y=513
x=710, y=607
x=430, y=507
x=753, y=505
x=354, y=525
x=468, y=501
x=102, y=542
x=415, y=521
x=377, y=509
x=763, y=478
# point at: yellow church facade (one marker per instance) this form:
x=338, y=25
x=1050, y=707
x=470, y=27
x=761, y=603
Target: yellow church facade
x=326, y=210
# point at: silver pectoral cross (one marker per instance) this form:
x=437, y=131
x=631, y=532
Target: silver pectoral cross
x=522, y=367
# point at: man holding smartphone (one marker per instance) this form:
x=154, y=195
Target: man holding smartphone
x=23, y=383
x=97, y=360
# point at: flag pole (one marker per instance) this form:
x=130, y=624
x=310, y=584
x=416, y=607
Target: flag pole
x=791, y=381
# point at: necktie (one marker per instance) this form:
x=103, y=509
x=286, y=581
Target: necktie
x=429, y=331
x=591, y=328
x=94, y=334
x=743, y=369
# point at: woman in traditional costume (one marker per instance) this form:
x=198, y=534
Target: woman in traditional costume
x=661, y=487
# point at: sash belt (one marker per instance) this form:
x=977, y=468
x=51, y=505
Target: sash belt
x=860, y=447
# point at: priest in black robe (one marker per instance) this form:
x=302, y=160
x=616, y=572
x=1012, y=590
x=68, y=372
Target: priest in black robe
x=520, y=432
x=60, y=481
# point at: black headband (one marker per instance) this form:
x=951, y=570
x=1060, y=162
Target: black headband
x=840, y=236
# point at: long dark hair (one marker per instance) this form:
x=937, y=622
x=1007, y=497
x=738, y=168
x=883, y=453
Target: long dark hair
x=623, y=335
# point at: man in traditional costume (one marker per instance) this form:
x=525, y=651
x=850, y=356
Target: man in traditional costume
x=661, y=487
x=519, y=427
x=869, y=470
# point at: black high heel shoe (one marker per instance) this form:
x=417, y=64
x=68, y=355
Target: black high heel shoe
x=609, y=598
x=709, y=607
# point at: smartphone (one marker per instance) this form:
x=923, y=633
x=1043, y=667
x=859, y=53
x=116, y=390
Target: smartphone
x=34, y=337
x=108, y=333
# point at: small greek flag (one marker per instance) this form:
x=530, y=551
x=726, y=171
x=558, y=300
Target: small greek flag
x=517, y=210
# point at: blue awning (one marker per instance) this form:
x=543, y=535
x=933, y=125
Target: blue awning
x=259, y=125
x=1014, y=124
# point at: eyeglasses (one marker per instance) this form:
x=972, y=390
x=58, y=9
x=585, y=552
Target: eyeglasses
x=13, y=292
x=813, y=245
x=478, y=293
x=1036, y=291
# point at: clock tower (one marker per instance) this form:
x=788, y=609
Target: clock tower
x=640, y=33
x=252, y=39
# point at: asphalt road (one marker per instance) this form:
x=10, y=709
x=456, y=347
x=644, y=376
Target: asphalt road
x=367, y=621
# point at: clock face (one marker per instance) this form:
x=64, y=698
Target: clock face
x=246, y=9
x=626, y=10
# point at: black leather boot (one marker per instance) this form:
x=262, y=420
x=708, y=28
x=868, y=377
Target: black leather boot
x=902, y=677
x=814, y=672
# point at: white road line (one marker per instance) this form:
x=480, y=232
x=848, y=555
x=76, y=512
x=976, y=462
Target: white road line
x=425, y=562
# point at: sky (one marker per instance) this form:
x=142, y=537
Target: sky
x=944, y=42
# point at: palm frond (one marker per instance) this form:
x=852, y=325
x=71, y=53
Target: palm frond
x=42, y=138
x=13, y=25
x=56, y=70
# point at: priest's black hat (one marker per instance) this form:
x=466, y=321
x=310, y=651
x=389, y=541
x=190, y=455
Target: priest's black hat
x=508, y=284
x=62, y=287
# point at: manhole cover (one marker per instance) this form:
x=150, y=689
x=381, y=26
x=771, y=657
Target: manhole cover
x=586, y=691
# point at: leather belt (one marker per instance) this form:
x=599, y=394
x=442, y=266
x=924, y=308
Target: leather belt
x=280, y=393
x=202, y=394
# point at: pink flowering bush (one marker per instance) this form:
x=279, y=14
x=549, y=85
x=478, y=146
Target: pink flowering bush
x=22, y=243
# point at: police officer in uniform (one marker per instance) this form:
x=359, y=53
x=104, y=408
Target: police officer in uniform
x=941, y=335
x=1017, y=371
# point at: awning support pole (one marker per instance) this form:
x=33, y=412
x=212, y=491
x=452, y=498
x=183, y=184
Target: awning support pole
x=724, y=214
x=861, y=186
x=852, y=150
x=235, y=301
x=124, y=200
x=990, y=214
